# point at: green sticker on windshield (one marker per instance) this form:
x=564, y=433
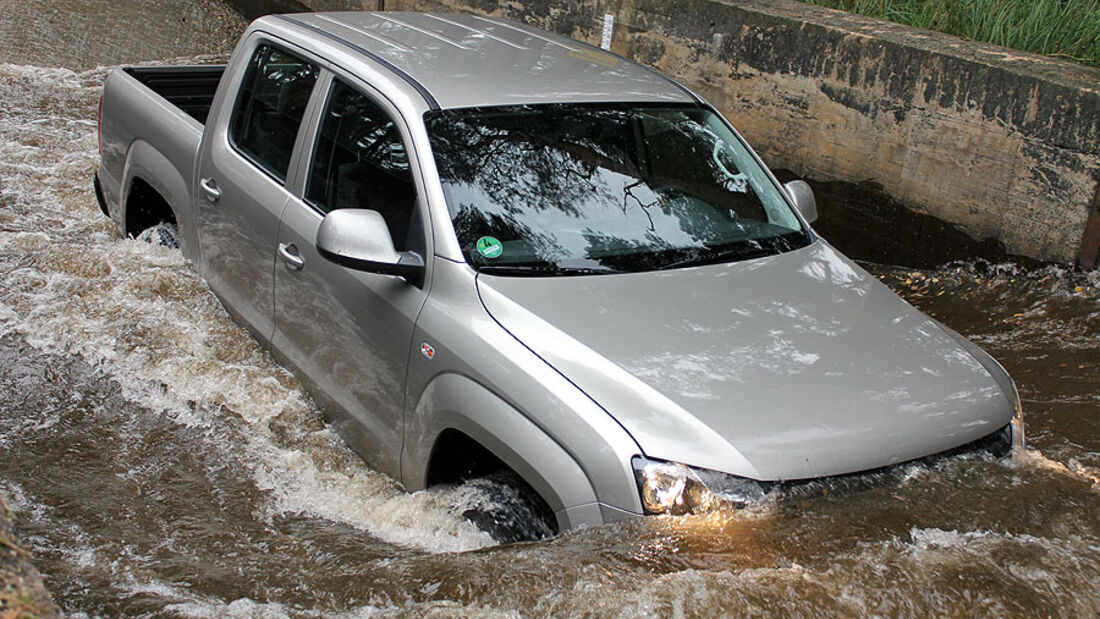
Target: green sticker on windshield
x=489, y=247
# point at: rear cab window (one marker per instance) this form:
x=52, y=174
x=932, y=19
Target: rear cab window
x=270, y=106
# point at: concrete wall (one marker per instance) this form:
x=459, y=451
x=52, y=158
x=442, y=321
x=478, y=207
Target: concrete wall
x=1004, y=144
x=254, y=8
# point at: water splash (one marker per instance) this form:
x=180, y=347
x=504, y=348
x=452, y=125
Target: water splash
x=1034, y=459
x=135, y=310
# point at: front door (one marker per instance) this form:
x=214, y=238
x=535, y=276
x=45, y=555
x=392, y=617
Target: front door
x=349, y=333
x=243, y=168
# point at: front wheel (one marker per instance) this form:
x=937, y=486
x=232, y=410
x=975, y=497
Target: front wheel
x=507, y=508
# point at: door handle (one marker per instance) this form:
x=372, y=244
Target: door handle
x=289, y=254
x=210, y=189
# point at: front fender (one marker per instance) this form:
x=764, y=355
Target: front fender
x=452, y=401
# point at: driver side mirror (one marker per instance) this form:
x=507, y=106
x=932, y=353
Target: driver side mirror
x=360, y=239
x=803, y=198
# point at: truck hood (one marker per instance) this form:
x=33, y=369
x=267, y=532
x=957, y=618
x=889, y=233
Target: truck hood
x=792, y=366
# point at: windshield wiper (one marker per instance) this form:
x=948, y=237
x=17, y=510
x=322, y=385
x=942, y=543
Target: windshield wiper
x=532, y=270
x=729, y=255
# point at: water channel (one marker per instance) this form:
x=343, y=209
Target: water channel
x=160, y=464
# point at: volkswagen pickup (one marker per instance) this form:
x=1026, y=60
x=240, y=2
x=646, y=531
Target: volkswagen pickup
x=483, y=247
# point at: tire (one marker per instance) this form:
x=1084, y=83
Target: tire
x=164, y=234
x=507, y=508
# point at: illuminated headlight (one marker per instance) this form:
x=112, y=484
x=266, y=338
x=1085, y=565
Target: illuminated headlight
x=671, y=488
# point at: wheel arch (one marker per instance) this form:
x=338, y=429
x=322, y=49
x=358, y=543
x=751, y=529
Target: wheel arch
x=153, y=187
x=456, y=408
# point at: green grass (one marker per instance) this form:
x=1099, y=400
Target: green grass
x=1068, y=29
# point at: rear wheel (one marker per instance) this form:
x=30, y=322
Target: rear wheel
x=164, y=234
x=145, y=209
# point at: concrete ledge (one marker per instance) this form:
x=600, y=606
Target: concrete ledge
x=255, y=8
x=1002, y=143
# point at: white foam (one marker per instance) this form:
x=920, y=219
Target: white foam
x=927, y=539
x=13, y=496
x=1033, y=458
x=182, y=601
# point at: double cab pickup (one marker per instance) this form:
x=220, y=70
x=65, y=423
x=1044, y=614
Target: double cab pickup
x=483, y=247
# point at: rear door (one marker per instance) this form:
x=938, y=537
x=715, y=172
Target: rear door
x=349, y=333
x=244, y=160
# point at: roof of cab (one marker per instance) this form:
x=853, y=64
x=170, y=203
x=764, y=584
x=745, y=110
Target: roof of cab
x=468, y=61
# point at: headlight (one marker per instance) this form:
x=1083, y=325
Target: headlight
x=671, y=488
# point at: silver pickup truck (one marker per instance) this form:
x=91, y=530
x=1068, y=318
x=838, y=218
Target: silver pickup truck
x=487, y=248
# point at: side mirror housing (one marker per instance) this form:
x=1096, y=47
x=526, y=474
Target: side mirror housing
x=803, y=198
x=359, y=239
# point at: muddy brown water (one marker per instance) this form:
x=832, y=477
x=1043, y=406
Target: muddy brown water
x=160, y=464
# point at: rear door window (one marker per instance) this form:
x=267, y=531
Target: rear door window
x=272, y=101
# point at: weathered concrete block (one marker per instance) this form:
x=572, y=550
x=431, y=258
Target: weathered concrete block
x=255, y=8
x=22, y=593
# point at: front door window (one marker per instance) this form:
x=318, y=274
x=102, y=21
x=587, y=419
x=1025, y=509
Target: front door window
x=360, y=162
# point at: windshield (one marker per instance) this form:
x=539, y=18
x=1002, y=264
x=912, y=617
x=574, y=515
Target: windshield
x=579, y=189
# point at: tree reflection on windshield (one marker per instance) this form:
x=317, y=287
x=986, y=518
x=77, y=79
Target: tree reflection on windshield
x=553, y=189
